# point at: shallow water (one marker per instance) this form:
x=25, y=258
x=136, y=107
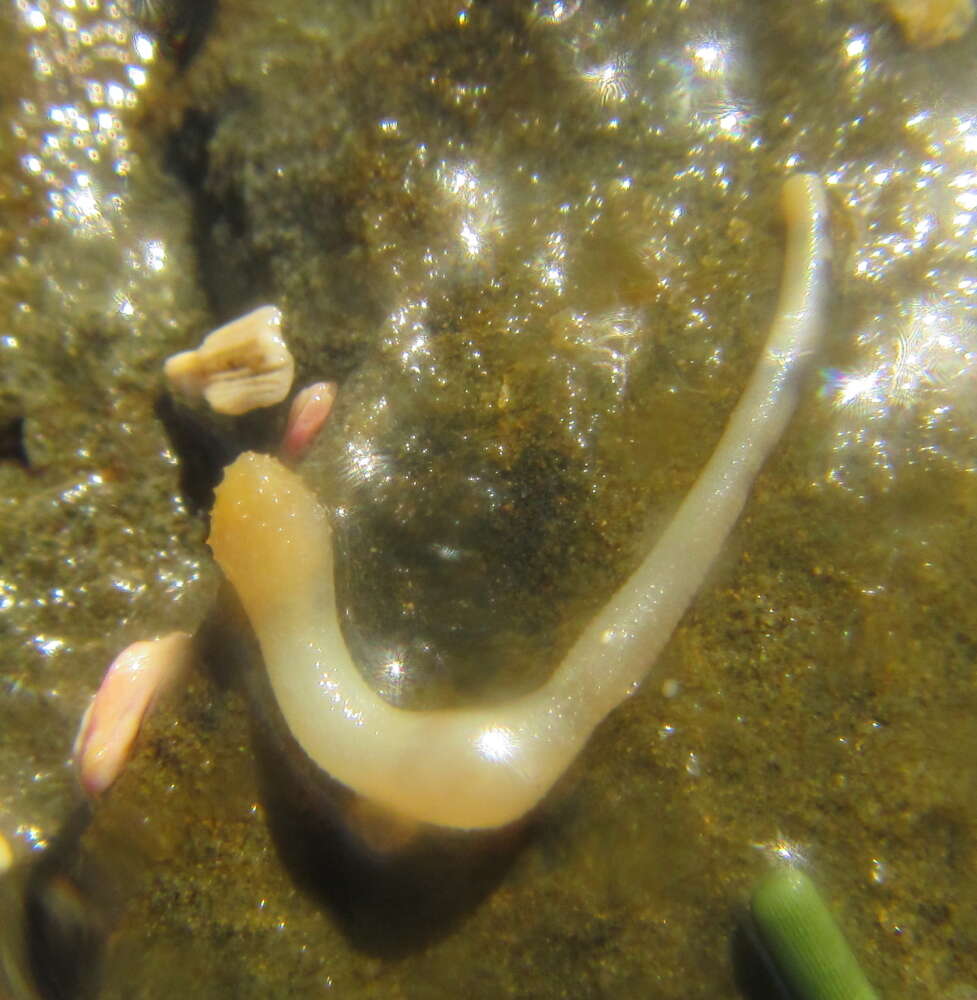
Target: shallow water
x=538, y=244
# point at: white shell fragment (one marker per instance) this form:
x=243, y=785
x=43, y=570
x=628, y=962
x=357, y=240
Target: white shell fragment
x=487, y=766
x=242, y=366
x=132, y=685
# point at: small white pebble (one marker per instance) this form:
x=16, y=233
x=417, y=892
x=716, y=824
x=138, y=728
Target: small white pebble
x=670, y=687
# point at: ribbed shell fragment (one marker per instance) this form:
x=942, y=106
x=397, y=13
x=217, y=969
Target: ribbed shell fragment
x=242, y=366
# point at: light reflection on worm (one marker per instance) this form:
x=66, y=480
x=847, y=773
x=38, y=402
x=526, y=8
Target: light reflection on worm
x=486, y=767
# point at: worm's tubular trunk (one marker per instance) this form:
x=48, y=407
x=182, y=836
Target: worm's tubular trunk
x=486, y=767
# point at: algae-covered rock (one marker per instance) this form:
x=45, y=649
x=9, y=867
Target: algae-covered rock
x=97, y=544
x=537, y=244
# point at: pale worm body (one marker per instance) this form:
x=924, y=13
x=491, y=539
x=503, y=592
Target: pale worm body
x=486, y=767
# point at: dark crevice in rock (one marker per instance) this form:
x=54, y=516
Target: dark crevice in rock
x=13, y=444
x=234, y=277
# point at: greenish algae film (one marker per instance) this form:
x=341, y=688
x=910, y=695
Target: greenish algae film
x=538, y=245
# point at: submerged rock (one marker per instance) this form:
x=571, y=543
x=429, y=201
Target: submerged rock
x=534, y=241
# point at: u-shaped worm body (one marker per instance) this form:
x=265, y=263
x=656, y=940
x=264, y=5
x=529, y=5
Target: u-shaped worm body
x=486, y=767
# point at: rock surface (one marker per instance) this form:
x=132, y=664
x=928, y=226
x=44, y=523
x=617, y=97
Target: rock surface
x=536, y=244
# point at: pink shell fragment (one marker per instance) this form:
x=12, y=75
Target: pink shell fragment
x=128, y=692
x=310, y=409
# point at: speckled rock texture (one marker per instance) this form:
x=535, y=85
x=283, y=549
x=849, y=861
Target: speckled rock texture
x=537, y=245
